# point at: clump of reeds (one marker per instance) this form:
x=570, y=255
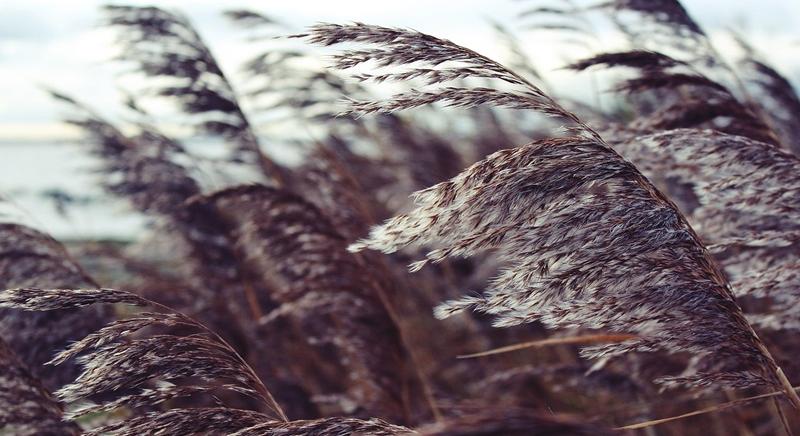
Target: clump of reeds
x=590, y=242
x=642, y=231
x=292, y=248
x=127, y=369
x=147, y=371
x=696, y=99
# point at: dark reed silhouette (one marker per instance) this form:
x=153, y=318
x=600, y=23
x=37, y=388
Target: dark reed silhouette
x=31, y=258
x=26, y=407
x=199, y=83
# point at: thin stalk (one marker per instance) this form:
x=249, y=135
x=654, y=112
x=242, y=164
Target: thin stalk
x=703, y=411
x=787, y=386
x=425, y=382
x=782, y=417
x=790, y=392
x=585, y=339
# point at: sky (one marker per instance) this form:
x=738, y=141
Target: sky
x=58, y=43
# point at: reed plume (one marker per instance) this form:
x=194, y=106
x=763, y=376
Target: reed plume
x=710, y=104
x=292, y=248
x=115, y=361
x=141, y=168
x=144, y=169
x=146, y=371
x=578, y=267
x=745, y=187
x=777, y=98
x=432, y=58
x=746, y=208
x=198, y=83
x=331, y=187
x=667, y=27
x=283, y=77
x=588, y=240
x=664, y=25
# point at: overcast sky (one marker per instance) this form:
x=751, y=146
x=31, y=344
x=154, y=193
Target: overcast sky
x=57, y=42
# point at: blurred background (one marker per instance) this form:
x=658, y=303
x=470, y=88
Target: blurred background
x=49, y=44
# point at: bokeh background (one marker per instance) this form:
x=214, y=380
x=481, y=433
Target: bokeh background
x=59, y=44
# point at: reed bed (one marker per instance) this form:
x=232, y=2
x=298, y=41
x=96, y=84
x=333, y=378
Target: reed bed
x=525, y=265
